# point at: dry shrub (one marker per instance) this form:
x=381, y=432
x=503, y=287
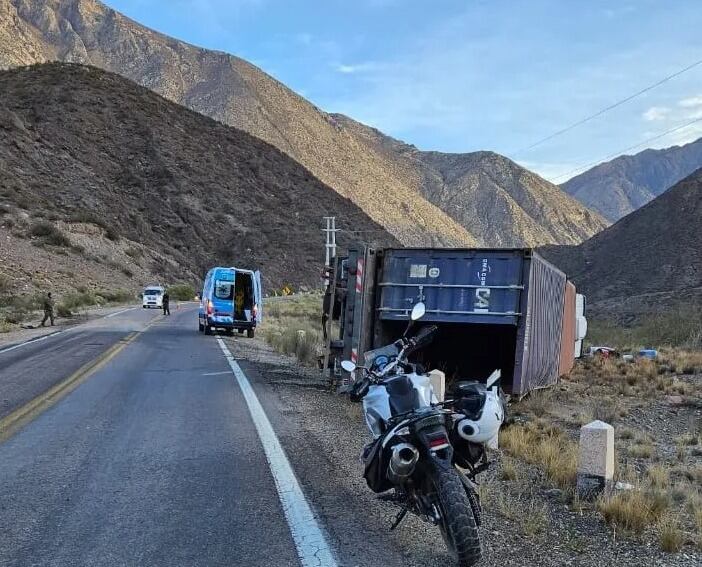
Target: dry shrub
x=285, y=318
x=534, y=518
x=508, y=470
x=640, y=451
x=696, y=507
x=632, y=510
x=545, y=446
x=531, y=514
x=537, y=403
x=658, y=476
x=626, y=433
x=687, y=439
x=670, y=534
x=683, y=361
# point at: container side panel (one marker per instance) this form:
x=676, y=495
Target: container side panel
x=542, y=342
x=457, y=285
x=568, y=331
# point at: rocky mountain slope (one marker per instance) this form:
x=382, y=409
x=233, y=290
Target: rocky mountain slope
x=620, y=186
x=113, y=183
x=647, y=261
x=497, y=204
x=496, y=199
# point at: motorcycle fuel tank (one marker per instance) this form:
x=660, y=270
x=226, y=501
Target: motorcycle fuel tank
x=400, y=394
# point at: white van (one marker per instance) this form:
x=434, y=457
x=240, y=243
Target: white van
x=152, y=297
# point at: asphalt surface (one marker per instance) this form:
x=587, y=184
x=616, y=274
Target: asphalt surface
x=28, y=369
x=153, y=460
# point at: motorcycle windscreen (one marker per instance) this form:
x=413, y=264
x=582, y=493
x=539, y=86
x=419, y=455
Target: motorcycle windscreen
x=388, y=351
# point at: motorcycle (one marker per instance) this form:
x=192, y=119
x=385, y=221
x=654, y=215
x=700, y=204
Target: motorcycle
x=425, y=454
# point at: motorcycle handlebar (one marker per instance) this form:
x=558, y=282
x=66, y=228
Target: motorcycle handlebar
x=423, y=337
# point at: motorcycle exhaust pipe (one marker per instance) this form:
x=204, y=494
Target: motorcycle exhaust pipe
x=467, y=429
x=403, y=459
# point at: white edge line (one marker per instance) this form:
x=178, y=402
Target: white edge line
x=312, y=547
x=31, y=341
x=119, y=312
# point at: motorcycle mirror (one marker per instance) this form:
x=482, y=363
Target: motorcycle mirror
x=348, y=365
x=418, y=311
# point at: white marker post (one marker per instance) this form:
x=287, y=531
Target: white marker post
x=596, y=459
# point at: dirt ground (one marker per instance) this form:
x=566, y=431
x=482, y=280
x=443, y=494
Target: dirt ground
x=528, y=520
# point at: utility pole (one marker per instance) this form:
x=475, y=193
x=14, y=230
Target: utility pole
x=330, y=246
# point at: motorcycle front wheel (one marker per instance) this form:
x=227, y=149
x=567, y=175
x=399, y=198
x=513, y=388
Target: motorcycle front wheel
x=457, y=522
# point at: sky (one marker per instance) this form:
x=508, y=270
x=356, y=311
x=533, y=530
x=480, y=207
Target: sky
x=467, y=75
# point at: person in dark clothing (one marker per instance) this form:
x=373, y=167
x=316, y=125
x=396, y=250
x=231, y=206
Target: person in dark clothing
x=48, y=305
x=166, y=303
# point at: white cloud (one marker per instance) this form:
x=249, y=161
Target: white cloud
x=357, y=68
x=656, y=113
x=304, y=38
x=691, y=102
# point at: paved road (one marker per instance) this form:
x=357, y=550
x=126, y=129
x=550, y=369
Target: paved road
x=154, y=460
x=28, y=369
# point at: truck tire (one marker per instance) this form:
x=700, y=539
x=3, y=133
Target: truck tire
x=458, y=526
x=200, y=327
x=208, y=330
x=250, y=333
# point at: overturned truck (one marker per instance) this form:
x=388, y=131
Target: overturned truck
x=495, y=308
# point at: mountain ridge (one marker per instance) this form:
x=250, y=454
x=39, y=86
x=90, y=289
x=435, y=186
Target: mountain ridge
x=649, y=260
x=622, y=185
x=391, y=188
x=135, y=184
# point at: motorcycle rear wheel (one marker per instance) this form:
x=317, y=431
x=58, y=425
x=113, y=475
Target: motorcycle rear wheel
x=458, y=526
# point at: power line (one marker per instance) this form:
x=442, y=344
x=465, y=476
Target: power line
x=608, y=108
x=623, y=151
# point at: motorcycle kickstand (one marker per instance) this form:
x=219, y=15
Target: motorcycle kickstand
x=399, y=518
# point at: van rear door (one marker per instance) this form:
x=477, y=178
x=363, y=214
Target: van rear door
x=223, y=296
x=258, y=296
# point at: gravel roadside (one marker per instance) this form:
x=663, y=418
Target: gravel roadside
x=526, y=521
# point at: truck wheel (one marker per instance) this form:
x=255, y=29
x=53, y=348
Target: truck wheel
x=208, y=330
x=458, y=526
x=250, y=333
x=200, y=327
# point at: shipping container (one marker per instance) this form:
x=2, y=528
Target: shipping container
x=495, y=308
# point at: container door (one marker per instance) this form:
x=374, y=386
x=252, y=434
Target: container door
x=258, y=296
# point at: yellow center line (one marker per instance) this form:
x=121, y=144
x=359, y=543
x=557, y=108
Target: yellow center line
x=11, y=423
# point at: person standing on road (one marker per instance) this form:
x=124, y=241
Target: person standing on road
x=166, y=303
x=48, y=310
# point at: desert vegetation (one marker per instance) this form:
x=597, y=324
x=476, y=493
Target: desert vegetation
x=181, y=292
x=680, y=328
x=654, y=408
x=293, y=326
x=16, y=309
